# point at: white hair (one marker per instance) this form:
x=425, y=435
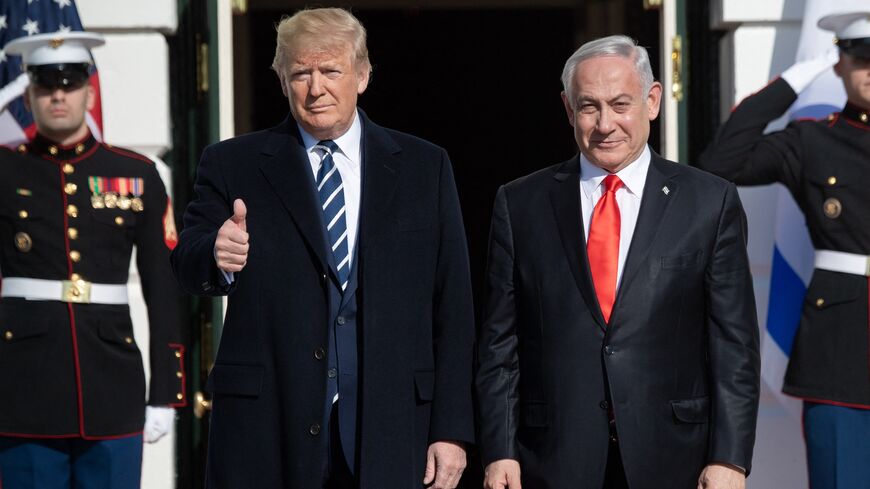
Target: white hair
x=618, y=45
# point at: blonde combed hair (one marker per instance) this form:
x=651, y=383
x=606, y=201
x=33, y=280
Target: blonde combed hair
x=321, y=29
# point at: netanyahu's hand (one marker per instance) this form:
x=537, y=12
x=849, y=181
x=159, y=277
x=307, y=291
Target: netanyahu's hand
x=502, y=474
x=445, y=462
x=721, y=476
x=231, y=245
x=158, y=422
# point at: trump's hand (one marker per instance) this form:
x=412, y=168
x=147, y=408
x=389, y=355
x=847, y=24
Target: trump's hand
x=721, y=476
x=502, y=474
x=231, y=245
x=445, y=462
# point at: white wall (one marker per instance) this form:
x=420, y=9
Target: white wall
x=134, y=79
x=761, y=42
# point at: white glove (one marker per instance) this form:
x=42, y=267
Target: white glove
x=158, y=421
x=801, y=74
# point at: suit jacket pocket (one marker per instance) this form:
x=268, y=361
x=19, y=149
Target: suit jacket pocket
x=694, y=411
x=424, y=385
x=533, y=414
x=239, y=380
x=683, y=260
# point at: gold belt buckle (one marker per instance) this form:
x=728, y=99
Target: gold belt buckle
x=78, y=291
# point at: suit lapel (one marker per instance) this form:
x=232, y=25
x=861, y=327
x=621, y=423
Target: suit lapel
x=380, y=175
x=653, y=207
x=565, y=198
x=287, y=170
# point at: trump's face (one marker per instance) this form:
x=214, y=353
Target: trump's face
x=610, y=112
x=322, y=86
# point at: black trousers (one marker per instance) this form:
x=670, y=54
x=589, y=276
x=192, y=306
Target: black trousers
x=338, y=474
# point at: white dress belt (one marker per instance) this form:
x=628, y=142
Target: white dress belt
x=840, y=261
x=78, y=291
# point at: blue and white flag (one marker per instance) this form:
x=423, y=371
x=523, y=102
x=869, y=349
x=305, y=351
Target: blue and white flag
x=793, y=253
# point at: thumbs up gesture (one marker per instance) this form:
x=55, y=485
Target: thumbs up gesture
x=231, y=245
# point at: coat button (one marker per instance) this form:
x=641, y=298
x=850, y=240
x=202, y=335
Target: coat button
x=319, y=353
x=73, y=233
x=75, y=256
x=608, y=350
x=23, y=214
x=8, y=335
x=603, y=405
x=331, y=373
x=72, y=211
x=70, y=188
x=820, y=302
x=314, y=429
x=341, y=320
x=68, y=169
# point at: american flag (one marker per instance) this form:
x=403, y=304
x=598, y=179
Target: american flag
x=20, y=18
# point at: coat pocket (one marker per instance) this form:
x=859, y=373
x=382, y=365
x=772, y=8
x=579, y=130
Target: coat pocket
x=684, y=260
x=424, y=385
x=693, y=411
x=238, y=380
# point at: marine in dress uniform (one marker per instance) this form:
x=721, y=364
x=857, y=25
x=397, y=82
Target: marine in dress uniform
x=825, y=164
x=72, y=386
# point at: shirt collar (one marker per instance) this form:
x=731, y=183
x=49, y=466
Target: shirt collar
x=348, y=143
x=633, y=176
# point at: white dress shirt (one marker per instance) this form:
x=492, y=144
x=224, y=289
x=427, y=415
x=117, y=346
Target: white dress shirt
x=628, y=198
x=348, y=159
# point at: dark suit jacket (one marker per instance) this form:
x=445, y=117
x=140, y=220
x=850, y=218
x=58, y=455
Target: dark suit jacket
x=416, y=320
x=679, y=357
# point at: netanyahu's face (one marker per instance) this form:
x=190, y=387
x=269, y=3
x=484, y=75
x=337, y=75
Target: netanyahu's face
x=610, y=112
x=322, y=86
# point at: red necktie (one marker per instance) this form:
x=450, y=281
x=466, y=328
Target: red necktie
x=603, y=245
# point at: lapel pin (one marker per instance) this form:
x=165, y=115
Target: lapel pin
x=666, y=190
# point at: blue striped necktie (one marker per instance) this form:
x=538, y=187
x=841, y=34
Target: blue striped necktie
x=330, y=188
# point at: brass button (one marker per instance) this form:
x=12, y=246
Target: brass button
x=832, y=180
x=75, y=292
x=179, y=396
x=179, y=374
x=128, y=340
x=23, y=242
x=80, y=148
x=8, y=335
x=820, y=302
x=23, y=214
x=22, y=148
x=70, y=188
x=178, y=354
x=72, y=211
x=75, y=256
x=119, y=221
x=863, y=117
x=75, y=277
x=52, y=150
x=73, y=233
x=68, y=169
